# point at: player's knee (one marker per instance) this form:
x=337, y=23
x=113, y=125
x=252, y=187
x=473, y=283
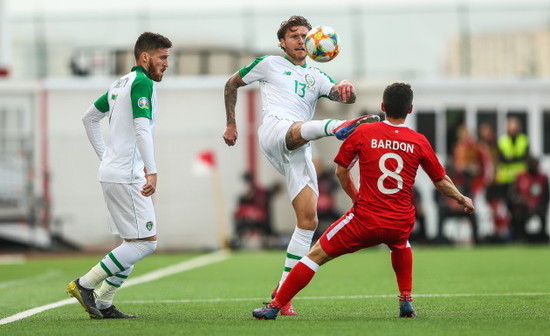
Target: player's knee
x=145, y=247
x=308, y=222
x=293, y=138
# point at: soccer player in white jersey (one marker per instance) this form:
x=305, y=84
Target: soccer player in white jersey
x=290, y=90
x=389, y=154
x=127, y=172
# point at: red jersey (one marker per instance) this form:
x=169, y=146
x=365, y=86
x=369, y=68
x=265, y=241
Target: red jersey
x=389, y=157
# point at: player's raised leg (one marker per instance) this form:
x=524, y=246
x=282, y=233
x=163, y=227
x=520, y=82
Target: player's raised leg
x=302, y=132
x=316, y=129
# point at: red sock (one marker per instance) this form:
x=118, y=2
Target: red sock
x=296, y=280
x=402, y=261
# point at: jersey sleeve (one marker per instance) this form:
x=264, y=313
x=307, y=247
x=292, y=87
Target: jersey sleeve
x=102, y=103
x=254, y=71
x=326, y=84
x=142, y=91
x=431, y=164
x=349, y=151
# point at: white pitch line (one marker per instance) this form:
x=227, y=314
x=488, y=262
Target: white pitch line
x=187, y=265
x=337, y=297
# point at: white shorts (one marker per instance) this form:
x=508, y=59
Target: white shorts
x=133, y=214
x=295, y=165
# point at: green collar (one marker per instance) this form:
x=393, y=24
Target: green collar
x=141, y=69
x=303, y=66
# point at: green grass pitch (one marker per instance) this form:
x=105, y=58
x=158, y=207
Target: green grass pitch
x=479, y=291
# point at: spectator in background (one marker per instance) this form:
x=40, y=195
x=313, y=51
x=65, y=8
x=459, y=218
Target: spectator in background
x=468, y=161
x=447, y=208
x=487, y=144
x=530, y=198
x=253, y=214
x=467, y=172
x=513, y=149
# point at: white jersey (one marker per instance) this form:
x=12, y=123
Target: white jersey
x=288, y=91
x=132, y=96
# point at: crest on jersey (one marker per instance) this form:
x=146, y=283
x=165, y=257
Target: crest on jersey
x=310, y=80
x=143, y=103
x=149, y=226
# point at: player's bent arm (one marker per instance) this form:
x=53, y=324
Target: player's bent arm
x=448, y=188
x=344, y=92
x=346, y=181
x=230, y=96
x=92, y=123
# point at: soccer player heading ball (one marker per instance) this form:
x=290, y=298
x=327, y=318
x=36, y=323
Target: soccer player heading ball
x=290, y=90
x=389, y=154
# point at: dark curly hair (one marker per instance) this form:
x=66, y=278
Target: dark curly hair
x=293, y=21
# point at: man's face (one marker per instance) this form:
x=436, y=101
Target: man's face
x=158, y=62
x=294, y=43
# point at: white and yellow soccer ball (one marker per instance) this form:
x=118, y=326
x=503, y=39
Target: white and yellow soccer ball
x=322, y=44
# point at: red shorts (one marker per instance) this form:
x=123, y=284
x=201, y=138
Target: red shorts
x=350, y=234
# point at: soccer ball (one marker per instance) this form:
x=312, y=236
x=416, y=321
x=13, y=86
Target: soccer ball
x=322, y=44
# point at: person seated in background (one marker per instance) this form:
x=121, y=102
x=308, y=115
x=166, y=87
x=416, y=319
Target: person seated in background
x=253, y=213
x=530, y=198
x=447, y=208
x=468, y=161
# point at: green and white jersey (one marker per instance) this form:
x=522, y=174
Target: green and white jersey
x=132, y=96
x=288, y=91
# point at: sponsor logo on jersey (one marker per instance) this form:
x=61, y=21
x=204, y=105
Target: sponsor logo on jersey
x=143, y=103
x=149, y=226
x=310, y=80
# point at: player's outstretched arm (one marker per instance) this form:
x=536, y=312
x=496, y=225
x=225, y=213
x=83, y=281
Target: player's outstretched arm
x=343, y=92
x=448, y=188
x=230, y=95
x=346, y=181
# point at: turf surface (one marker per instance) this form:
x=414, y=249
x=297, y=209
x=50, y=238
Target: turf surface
x=481, y=291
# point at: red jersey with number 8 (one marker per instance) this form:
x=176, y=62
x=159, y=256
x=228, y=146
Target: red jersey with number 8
x=389, y=157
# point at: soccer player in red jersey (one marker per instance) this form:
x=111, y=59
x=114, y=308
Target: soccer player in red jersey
x=389, y=154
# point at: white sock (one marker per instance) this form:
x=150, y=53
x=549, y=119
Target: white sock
x=316, y=129
x=299, y=246
x=310, y=263
x=93, y=277
x=118, y=260
x=106, y=293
